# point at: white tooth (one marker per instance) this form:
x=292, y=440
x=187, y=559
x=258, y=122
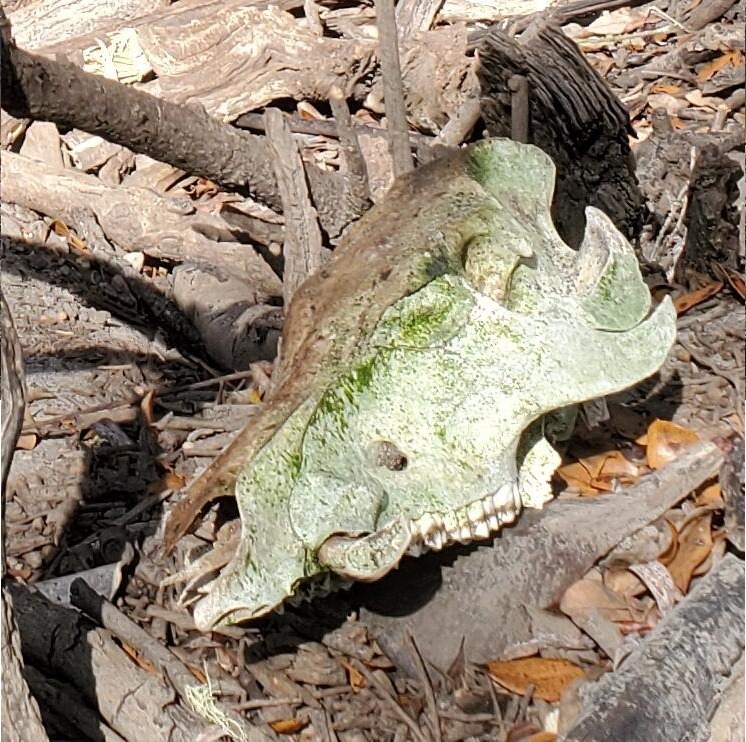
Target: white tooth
x=481, y=530
x=435, y=540
x=450, y=522
x=493, y=522
x=489, y=505
x=475, y=512
x=415, y=550
x=425, y=524
x=464, y=534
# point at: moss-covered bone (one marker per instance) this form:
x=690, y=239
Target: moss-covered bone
x=425, y=428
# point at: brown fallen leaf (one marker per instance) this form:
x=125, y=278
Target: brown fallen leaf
x=27, y=442
x=709, y=70
x=549, y=677
x=709, y=494
x=355, y=678
x=610, y=465
x=665, y=440
x=734, y=279
x=587, y=595
x=598, y=473
x=288, y=726
x=542, y=737
x=685, y=302
x=137, y=657
x=695, y=544
x=662, y=87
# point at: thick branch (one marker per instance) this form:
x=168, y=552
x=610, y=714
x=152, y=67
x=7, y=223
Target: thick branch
x=183, y=136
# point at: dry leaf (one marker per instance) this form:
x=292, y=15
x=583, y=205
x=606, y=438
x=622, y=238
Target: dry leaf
x=664, y=100
x=27, y=442
x=542, y=737
x=355, y=678
x=597, y=473
x=710, y=494
x=549, y=677
x=734, y=279
x=624, y=582
x=173, y=481
x=587, y=595
x=685, y=302
x=734, y=57
x=695, y=544
x=697, y=99
x=146, y=407
x=145, y=664
x=287, y=726
x=610, y=465
x=665, y=441
x=197, y=673
x=577, y=475
x=662, y=87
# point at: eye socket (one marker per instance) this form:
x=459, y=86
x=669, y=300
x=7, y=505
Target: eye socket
x=386, y=453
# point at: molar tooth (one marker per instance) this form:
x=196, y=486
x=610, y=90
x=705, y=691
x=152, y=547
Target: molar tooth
x=425, y=524
x=493, y=522
x=464, y=534
x=475, y=512
x=488, y=503
x=435, y=539
x=450, y=522
x=481, y=530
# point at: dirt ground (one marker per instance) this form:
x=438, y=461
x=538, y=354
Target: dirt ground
x=125, y=407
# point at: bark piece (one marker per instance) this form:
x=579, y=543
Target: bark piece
x=303, y=249
x=396, y=114
x=732, y=483
x=235, y=330
x=48, y=22
x=136, y=219
x=196, y=53
x=669, y=687
x=530, y=565
x=350, y=148
x=20, y=713
x=42, y=142
x=574, y=118
x=135, y=703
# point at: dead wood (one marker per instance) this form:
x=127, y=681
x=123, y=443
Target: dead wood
x=396, y=114
x=13, y=395
x=20, y=714
x=705, y=13
x=303, y=248
x=185, y=137
x=574, y=117
x=226, y=56
x=44, y=23
x=128, y=632
x=137, y=219
x=349, y=144
x=413, y=16
x=66, y=705
x=133, y=702
x=669, y=687
x=528, y=566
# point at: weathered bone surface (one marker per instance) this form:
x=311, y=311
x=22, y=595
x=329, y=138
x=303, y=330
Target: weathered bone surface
x=420, y=367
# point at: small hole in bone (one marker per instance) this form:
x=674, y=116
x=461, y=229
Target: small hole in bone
x=389, y=455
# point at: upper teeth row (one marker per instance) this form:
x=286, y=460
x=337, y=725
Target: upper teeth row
x=476, y=520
